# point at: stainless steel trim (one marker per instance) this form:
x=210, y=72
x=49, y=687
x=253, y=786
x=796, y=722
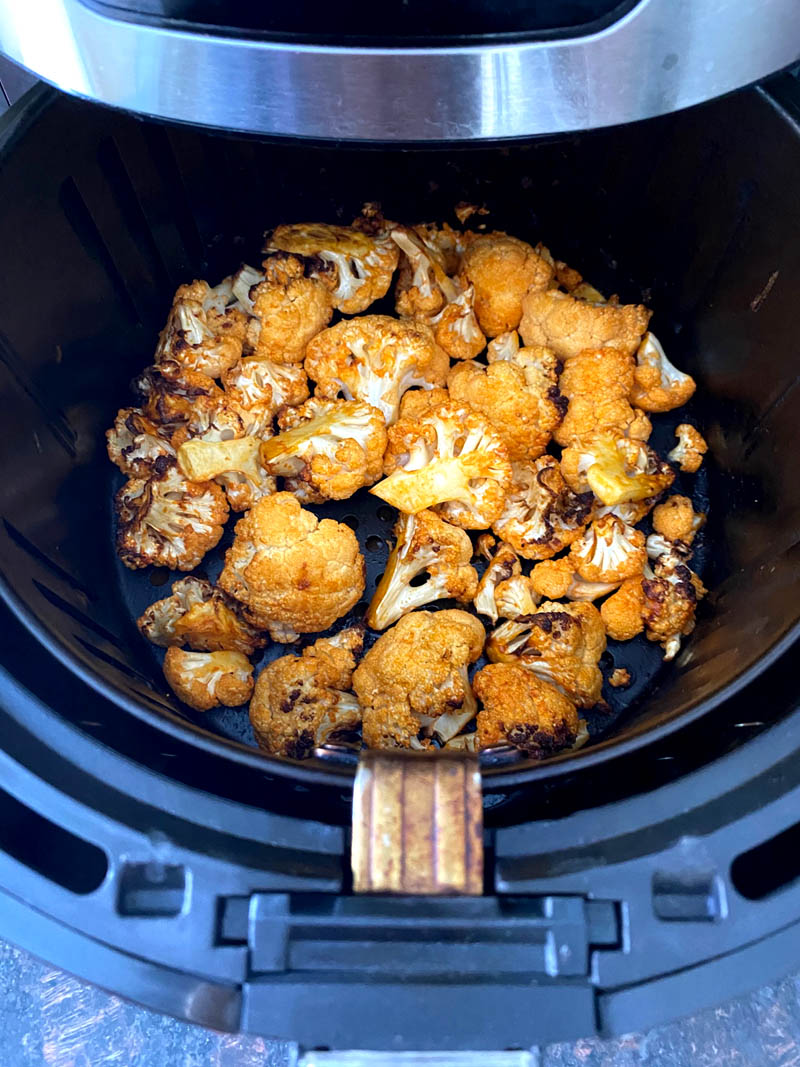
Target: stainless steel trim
x=662, y=56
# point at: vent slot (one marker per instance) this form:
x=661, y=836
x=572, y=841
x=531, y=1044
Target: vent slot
x=123, y=668
x=21, y=541
x=78, y=615
x=56, y=420
x=152, y=890
x=770, y=866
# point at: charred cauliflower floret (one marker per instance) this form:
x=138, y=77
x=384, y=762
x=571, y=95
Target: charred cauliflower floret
x=206, y=680
x=168, y=521
x=676, y=519
x=557, y=578
x=424, y=546
x=449, y=458
x=503, y=564
x=596, y=383
x=690, y=449
x=569, y=326
x=617, y=469
x=657, y=385
x=670, y=602
x=413, y=683
x=202, y=334
x=608, y=551
x=302, y=701
x=522, y=710
x=186, y=404
x=502, y=269
x=375, y=358
x=290, y=572
x=134, y=443
x=354, y=265
x=257, y=388
x=330, y=447
x=542, y=514
x=235, y=464
x=199, y=615
x=515, y=597
x=622, y=612
x=561, y=643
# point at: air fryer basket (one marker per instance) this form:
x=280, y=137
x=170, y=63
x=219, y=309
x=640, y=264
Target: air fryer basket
x=101, y=223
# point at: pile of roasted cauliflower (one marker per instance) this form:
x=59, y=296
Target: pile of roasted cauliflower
x=506, y=395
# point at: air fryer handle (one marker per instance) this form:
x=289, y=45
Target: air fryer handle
x=417, y=824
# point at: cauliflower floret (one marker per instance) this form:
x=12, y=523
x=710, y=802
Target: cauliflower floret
x=330, y=447
x=168, y=521
x=356, y=267
x=619, y=677
x=568, y=325
x=502, y=269
x=300, y=702
x=622, y=612
x=413, y=683
x=657, y=385
x=199, y=334
x=456, y=328
x=670, y=602
x=516, y=597
x=690, y=449
x=677, y=520
x=522, y=710
x=561, y=643
x=186, y=404
x=291, y=573
x=556, y=578
x=424, y=545
x=446, y=244
x=375, y=358
x=449, y=457
x=199, y=615
x=609, y=551
x=257, y=388
x=135, y=445
x=630, y=511
x=523, y=415
x=417, y=401
x=503, y=564
x=235, y=464
x=205, y=680
x=617, y=469
x=597, y=382
x=542, y=514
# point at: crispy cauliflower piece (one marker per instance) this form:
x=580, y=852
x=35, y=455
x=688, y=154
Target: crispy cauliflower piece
x=168, y=521
x=670, y=601
x=561, y=643
x=199, y=615
x=502, y=269
x=596, y=383
x=456, y=328
x=257, y=388
x=690, y=449
x=417, y=401
x=522, y=710
x=542, y=514
x=135, y=445
x=186, y=404
x=619, y=677
x=375, y=358
x=332, y=447
x=622, y=612
x=556, y=578
x=413, y=683
x=657, y=385
x=291, y=573
x=516, y=596
x=202, y=334
x=676, y=519
x=205, y=680
x=235, y=464
x=568, y=325
x=356, y=266
x=617, y=469
x=300, y=702
x=523, y=415
x=446, y=244
x=503, y=564
x=630, y=511
x=424, y=545
x=451, y=458
x=608, y=551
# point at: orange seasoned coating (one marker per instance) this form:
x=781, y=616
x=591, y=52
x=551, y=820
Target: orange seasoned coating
x=290, y=309
x=502, y=269
x=617, y=469
x=206, y=680
x=135, y=443
x=200, y=334
x=417, y=401
x=670, y=601
x=608, y=551
x=569, y=326
x=184, y=403
x=676, y=519
x=657, y=385
x=557, y=578
x=542, y=514
x=516, y=596
x=619, y=678
x=522, y=710
x=199, y=615
x=257, y=388
x=622, y=612
x=690, y=449
x=596, y=383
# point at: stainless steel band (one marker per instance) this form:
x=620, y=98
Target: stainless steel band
x=662, y=56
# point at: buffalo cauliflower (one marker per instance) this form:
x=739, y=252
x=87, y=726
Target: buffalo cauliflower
x=522, y=710
x=205, y=680
x=515, y=597
x=134, y=443
x=186, y=404
x=329, y=447
x=235, y=464
x=657, y=385
x=561, y=643
x=291, y=572
x=199, y=334
x=617, y=469
x=690, y=449
x=451, y=458
x=413, y=683
x=671, y=597
x=417, y=401
x=608, y=551
x=199, y=615
x=300, y=702
x=503, y=564
x=502, y=269
x=425, y=546
x=676, y=519
x=167, y=520
x=557, y=578
x=596, y=383
x=257, y=388
x=569, y=326
x=541, y=514
x=622, y=612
